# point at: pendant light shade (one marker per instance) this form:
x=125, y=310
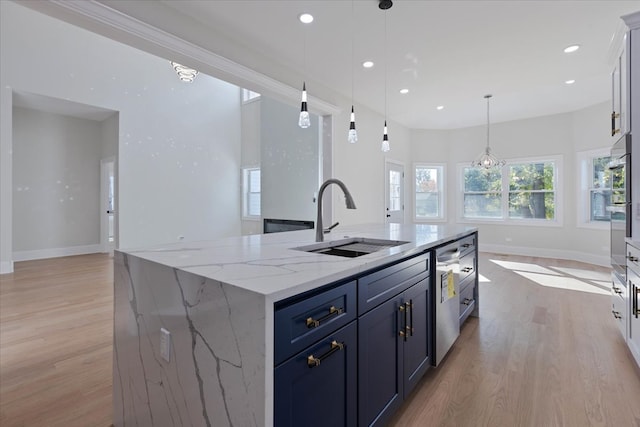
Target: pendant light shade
x=304, y=121
x=385, y=139
x=486, y=160
x=353, y=135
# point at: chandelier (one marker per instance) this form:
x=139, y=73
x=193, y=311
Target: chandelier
x=486, y=160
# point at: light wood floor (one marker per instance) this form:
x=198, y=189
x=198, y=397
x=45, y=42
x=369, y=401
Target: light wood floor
x=539, y=355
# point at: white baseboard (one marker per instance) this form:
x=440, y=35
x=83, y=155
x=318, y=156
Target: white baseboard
x=6, y=267
x=602, y=260
x=56, y=252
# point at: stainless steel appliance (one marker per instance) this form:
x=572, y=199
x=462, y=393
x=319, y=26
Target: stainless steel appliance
x=620, y=207
x=447, y=299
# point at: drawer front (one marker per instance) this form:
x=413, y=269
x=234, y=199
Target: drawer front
x=467, y=244
x=301, y=324
x=467, y=266
x=633, y=258
x=467, y=303
x=376, y=288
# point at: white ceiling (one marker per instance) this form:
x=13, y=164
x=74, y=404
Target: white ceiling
x=447, y=53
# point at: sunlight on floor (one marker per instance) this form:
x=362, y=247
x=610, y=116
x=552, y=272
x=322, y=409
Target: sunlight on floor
x=574, y=279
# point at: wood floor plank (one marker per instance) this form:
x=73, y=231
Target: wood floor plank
x=544, y=352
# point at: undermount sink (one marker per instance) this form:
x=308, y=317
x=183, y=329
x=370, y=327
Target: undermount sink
x=352, y=247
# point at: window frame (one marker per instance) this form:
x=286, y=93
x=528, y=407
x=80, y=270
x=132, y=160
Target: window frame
x=557, y=161
x=246, y=191
x=442, y=192
x=248, y=96
x=583, y=195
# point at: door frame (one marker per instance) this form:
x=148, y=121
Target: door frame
x=107, y=247
x=397, y=163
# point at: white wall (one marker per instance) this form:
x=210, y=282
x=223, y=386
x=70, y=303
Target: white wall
x=56, y=178
x=361, y=165
x=179, y=144
x=562, y=134
x=289, y=162
x=250, y=153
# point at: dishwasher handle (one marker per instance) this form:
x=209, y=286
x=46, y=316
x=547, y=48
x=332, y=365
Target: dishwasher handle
x=451, y=255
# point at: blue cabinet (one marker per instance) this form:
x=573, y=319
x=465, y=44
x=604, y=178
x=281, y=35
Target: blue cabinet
x=393, y=353
x=318, y=386
x=349, y=354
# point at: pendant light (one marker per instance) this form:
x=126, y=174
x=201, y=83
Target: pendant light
x=385, y=5
x=303, y=120
x=486, y=160
x=352, y=136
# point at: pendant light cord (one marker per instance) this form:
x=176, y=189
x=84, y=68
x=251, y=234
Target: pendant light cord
x=386, y=60
x=488, y=122
x=353, y=35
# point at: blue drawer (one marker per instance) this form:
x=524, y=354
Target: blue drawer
x=302, y=323
x=376, y=288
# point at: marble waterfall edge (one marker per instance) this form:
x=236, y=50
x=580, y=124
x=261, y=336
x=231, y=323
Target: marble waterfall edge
x=216, y=372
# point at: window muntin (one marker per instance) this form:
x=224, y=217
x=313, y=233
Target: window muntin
x=429, y=194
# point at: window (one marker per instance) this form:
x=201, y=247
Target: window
x=429, y=193
x=251, y=193
x=596, y=182
x=482, y=195
x=522, y=191
x=248, y=95
x=532, y=190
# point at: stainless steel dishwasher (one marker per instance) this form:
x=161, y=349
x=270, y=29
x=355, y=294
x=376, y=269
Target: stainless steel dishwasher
x=447, y=299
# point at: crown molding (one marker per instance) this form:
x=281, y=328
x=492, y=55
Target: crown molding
x=632, y=20
x=104, y=15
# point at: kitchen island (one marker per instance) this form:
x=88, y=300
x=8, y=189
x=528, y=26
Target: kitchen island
x=194, y=323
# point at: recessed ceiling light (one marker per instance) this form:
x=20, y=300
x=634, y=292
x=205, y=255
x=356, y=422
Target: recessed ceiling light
x=306, y=18
x=404, y=91
x=570, y=82
x=572, y=48
x=367, y=64
x=440, y=107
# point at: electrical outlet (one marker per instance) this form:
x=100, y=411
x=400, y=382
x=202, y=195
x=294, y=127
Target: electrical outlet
x=165, y=344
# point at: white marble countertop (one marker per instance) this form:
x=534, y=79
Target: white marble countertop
x=268, y=265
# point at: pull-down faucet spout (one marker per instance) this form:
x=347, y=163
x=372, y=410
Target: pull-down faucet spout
x=347, y=198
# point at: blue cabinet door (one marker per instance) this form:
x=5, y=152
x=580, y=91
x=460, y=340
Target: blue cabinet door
x=380, y=361
x=416, y=347
x=318, y=386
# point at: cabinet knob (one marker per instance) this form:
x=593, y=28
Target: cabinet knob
x=467, y=301
x=616, y=314
x=632, y=258
x=616, y=290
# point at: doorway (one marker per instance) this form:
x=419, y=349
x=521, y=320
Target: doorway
x=107, y=204
x=394, y=192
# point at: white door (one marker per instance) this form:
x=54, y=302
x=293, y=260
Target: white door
x=394, y=192
x=107, y=204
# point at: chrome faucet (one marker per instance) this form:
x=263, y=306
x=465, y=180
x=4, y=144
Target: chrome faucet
x=347, y=198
